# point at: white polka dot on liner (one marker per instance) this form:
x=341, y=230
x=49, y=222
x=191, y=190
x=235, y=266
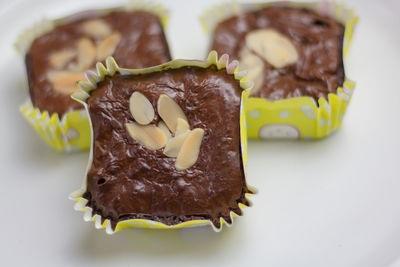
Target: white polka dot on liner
x=271, y=131
x=284, y=114
x=308, y=111
x=254, y=114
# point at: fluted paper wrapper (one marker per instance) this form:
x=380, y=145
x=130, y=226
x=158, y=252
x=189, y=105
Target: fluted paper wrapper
x=109, y=70
x=70, y=131
x=297, y=117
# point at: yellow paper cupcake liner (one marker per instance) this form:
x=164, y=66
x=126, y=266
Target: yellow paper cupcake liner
x=109, y=70
x=72, y=131
x=297, y=117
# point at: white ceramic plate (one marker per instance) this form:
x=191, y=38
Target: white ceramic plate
x=328, y=203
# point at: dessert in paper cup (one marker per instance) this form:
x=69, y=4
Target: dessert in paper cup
x=168, y=145
x=294, y=53
x=57, y=52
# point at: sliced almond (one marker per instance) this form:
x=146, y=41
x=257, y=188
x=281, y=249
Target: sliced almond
x=273, y=46
x=163, y=127
x=170, y=112
x=96, y=28
x=190, y=149
x=174, y=145
x=53, y=75
x=182, y=126
x=65, y=81
x=107, y=46
x=141, y=108
x=59, y=59
x=150, y=136
x=86, y=53
x=254, y=65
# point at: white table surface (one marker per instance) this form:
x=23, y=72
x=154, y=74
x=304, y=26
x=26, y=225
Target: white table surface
x=333, y=202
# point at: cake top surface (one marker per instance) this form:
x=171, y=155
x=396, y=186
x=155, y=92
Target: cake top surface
x=57, y=59
x=127, y=180
x=289, y=52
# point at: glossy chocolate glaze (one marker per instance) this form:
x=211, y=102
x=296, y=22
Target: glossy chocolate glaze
x=318, y=41
x=143, y=44
x=128, y=181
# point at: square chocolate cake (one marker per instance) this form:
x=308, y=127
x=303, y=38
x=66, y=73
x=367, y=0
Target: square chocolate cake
x=57, y=60
x=289, y=52
x=166, y=147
